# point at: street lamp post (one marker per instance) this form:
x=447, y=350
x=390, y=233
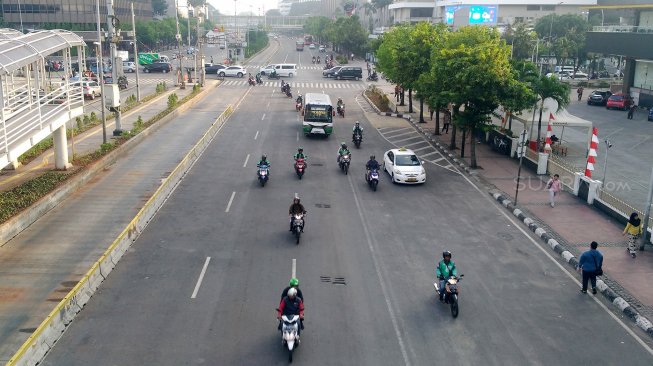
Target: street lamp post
x=608, y=145
x=235, y=34
x=180, y=76
x=101, y=70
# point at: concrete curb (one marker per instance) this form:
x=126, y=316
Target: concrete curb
x=49, y=331
x=628, y=310
x=27, y=217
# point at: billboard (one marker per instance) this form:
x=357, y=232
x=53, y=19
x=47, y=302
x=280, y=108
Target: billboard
x=478, y=14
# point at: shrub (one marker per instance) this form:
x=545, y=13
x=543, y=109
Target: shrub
x=93, y=117
x=342, y=59
x=87, y=120
x=172, y=100
x=79, y=123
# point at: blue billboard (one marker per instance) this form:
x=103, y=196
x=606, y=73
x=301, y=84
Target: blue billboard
x=478, y=14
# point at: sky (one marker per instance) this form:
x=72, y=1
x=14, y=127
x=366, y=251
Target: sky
x=227, y=6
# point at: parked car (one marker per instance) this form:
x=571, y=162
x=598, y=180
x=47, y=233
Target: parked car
x=128, y=66
x=213, y=69
x=598, y=97
x=330, y=72
x=322, y=48
x=237, y=71
x=619, y=101
x=163, y=67
x=650, y=115
x=577, y=76
x=91, y=89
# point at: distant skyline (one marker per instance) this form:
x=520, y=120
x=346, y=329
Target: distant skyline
x=227, y=6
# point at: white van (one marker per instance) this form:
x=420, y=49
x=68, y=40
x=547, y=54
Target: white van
x=568, y=69
x=285, y=70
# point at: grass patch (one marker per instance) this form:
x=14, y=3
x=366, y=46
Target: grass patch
x=378, y=98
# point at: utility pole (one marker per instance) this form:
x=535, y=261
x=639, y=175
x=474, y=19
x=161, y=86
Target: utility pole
x=112, y=22
x=180, y=76
x=138, y=84
x=101, y=71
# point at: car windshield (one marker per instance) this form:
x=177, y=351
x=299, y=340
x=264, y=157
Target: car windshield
x=616, y=97
x=406, y=160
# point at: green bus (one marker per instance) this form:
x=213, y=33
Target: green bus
x=318, y=114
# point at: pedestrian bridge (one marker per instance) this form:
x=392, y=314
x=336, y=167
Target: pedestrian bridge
x=273, y=23
x=35, y=106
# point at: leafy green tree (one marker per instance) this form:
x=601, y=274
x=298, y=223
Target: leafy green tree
x=550, y=87
x=159, y=7
x=521, y=40
x=566, y=35
x=519, y=96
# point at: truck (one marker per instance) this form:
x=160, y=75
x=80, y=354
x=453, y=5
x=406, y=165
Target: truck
x=146, y=58
x=299, y=45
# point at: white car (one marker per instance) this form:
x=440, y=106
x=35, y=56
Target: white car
x=312, y=46
x=91, y=89
x=578, y=76
x=404, y=166
x=237, y=71
x=128, y=66
x=266, y=70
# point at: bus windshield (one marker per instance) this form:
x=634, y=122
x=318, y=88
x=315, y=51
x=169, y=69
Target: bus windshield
x=318, y=113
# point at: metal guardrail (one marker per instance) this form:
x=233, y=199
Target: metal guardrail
x=619, y=205
x=622, y=29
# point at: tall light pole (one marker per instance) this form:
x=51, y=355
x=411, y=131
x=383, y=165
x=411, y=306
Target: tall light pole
x=20, y=16
x=235, y=33
x=138, y=86
x=112, y=21
x=178, y=37
x=608, y=145
x=101, y=70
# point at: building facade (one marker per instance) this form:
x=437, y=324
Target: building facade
x=407, y=11
x=28, y=14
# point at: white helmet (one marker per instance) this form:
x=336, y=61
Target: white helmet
x=292, y=292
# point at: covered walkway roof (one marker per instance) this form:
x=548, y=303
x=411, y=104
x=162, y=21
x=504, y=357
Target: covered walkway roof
x=25, y=49
x=8, y=33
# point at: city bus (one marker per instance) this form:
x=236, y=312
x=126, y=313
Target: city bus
x=308, y=39
x=318, y=114
x=299, y=45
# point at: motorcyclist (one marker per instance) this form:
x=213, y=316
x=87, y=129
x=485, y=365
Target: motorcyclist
x=373, y=76
x=446, y=268
x=296, y=209
x=291, y=305
x=342, y=151
x=313, y=59
x=294, y=283
x=371, y=164
x=299, y=99
x=339, y=103
x=258, y=77
x=318, y=59
x=357, y=129
x=273, y=74
x=300, y=154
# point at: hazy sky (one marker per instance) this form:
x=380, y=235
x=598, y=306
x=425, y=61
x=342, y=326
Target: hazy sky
x=227, y=6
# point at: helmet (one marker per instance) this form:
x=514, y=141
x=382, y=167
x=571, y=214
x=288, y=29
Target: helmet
x=264, y=157
x=300, y=149
x=446, y=253
x=294, y=282
x=357, y=123
x=292, y=292
x=372, y=157
x=343, y=145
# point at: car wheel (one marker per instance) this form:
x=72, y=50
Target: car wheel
x=262, y=73
x=146, y=70
x=290, y=75
x=221, y=74
x=240, y=75
x=165, y=71
x=338, y=77
x=356, y=78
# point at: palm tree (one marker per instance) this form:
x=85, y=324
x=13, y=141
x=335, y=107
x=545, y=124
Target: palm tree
x=550, y=87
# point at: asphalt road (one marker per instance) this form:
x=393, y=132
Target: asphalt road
x=517, y=305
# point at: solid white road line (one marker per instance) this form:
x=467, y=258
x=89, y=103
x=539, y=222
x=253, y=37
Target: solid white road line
x=539, y=246
x=423, y=148
x=437, y=160
x=406, y=139
x=246, y=160
x=431, y=153
x=230, y=201
x=199, y=280
x=263, y=117
x=255, y=136
x=297, y=135
x=294, y=268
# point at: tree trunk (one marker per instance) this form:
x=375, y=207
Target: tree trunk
x=462, y=143
x=452, y=145
x=472, y=150
x=401, y=103
x=421, y=111
x=437, y=119
x=410, y=100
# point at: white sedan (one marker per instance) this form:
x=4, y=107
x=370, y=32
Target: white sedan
x=237, y=71
x=404, y=166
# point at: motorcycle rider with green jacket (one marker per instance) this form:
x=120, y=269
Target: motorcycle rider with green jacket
x=446, y=268
x=342, y=151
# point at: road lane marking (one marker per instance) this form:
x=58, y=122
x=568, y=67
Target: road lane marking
x=423, y=148
x=431, y=153
x=294, y=268
x=436, y=160
x=262, y=118
x=199, y=280
x=519, y=227
x=388, y=134
x=255, y=136
x=230, y=201
x=417, y=143
x=384, y=289
x=246, y=160
x=408, y=138
x=297, y=135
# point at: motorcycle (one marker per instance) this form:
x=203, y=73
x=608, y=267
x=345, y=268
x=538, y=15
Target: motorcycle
x=290, y=333
x=341, y=111
x=122, y=83
x=274, y=76
x=288, y=93
x=259, y=81
x=297, y=226
x=263, y=174
x=251, y=82
x=450, y=293
x=373, y=77
x=345, y=160
x=372, y=178
x=298, y=106
x=358, y=138
x=300, y=167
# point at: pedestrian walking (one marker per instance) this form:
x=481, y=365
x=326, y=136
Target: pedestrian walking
x=633, y=229
x=431, y=112
x=397, y=92
x=352, y=56
x=211, y=59
x=631, y=111
x=553, y=186
x=580, y=93
x=447, y=121
x=590, y=264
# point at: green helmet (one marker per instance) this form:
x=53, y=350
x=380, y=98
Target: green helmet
x=294, y=282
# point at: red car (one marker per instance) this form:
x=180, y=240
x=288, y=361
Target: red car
x=619, y=101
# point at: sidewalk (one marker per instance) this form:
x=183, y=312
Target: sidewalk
x=573, y=223
x=89, y=141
